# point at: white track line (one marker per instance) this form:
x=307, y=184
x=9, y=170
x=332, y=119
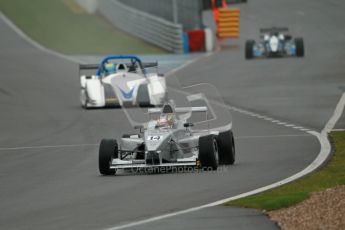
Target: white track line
x=320, y=159
x=46, y=147
x=336, y=115
x=249, y=113
x=25, y=37
x=338, y=130
x=265, y=118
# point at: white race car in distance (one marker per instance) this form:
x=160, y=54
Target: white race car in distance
x=121, y=81
x=275, y=42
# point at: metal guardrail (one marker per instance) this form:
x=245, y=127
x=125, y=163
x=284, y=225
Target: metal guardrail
x=152, y=29
x=185, y=12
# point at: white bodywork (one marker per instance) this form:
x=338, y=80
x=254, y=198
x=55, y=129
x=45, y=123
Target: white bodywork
x=274, y=43
x=120, y=89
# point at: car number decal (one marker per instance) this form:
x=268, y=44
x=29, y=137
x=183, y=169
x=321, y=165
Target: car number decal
x=154, y=138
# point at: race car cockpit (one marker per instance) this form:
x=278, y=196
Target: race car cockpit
x=167, y=117
x=112, y=68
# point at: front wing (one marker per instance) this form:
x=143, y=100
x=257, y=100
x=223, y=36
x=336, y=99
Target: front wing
x=131, y=164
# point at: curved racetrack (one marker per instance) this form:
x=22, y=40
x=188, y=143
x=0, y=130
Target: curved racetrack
x=48, y=144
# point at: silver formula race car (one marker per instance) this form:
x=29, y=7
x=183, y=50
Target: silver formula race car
x=121, y=81
x=275, y=42
x=169, y=141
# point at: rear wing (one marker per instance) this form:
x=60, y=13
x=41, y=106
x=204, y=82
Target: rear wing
x=180, y=109
x=274, y=29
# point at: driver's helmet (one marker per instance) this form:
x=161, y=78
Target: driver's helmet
x=109, y=68
x=165, y=120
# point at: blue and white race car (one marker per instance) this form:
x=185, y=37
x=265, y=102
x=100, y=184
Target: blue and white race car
x=121, y=81
x=275, y=42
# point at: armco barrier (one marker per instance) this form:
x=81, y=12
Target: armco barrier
x=150, y=28
x=185, y=12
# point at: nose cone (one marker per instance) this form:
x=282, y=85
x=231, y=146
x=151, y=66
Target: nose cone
x=156, y=141
x=274, y=42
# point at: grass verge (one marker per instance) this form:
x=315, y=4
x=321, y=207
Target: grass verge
x=333, y=174
x=60, y=25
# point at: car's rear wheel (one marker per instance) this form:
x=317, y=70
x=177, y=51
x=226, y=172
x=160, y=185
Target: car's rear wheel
x=143, y=96
x=299, y=47
x=226, y=147
x=108, y=150
x=249, y=49
x=208, y=152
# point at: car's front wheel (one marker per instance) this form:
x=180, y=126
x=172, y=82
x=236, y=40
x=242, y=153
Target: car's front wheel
x=299, y=47
x=249, y=49
x=108, y=150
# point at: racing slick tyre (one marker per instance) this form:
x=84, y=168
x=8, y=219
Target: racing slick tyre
x=208, y=152
x=143, y=96
x=108, y=150
x=83, y=98
x=299, y=47
x=249, y=49
x=226, y=148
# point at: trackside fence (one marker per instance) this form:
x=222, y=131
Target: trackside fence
x=185, y=12
x=150, y=28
